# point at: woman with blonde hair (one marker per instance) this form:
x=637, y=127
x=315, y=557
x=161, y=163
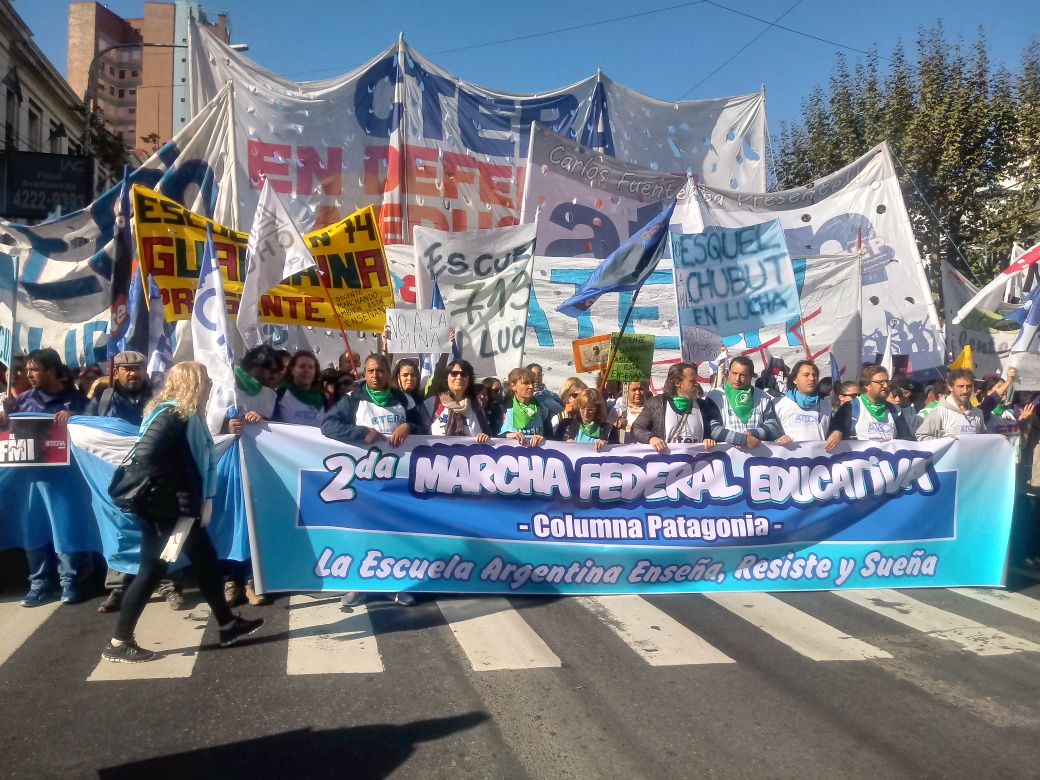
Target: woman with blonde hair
x=172, y=474
x=589, y=425
x=569, y=395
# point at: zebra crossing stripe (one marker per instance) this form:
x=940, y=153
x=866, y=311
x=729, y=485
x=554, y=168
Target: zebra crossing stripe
x=969, y=635
x=494, y=636
x=174, y=635
x=323, y=639
x=803, y=633
x=19, y=623
x=1016, y=603
x=655, y=636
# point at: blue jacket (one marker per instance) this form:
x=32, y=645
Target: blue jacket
x=117, y=402
x=68, y=400
x=342, y=424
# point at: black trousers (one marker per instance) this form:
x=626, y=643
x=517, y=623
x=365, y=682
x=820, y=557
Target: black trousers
x=203, y=557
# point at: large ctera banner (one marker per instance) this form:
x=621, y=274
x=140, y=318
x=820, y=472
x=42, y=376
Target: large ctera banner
x=444, y=515
x=358, y=288
x=858, y=210
x=427, y=148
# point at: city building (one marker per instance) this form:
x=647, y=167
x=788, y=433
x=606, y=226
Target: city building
x=42, y=126
x=135, y=71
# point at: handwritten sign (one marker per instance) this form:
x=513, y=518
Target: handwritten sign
x=418, y=331
x=591, y=354
x=733, y=280
x=634, y=359
x=484, y=278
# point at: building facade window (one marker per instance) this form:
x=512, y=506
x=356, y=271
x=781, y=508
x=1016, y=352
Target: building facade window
x=11, y=124
x=35, y=128
x=122, y=74
x=55, y=140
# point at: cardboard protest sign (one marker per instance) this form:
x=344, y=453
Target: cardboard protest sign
x=422, y=331
x=634, y=359
x=591, y=354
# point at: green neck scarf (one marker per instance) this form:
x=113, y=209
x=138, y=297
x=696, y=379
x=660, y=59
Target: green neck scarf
x=380, y=397
x=681, y=403
x=523, y=413
x=742, y=402
x=592, y=431
x=306, y=395
x=878, y=409
x=998, y=410
x=247, y=383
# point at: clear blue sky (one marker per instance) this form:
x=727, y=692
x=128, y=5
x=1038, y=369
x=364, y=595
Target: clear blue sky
x=661, y=54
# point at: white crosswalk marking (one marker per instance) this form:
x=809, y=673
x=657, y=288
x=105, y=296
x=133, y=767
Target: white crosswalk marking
x=174, y=635
x=973, y=637
x=19, y=623
x=1016, y=603
x=801, y=632
x=656, y=637
x=494, y=636
x=323, y=639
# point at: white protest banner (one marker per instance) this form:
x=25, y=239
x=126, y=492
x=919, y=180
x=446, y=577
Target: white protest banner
x=735, y=280
x=859, y=210
x=63, y=289
x=419, y=331
x=985, y=328
x=484, y=278
x=587, y=203
x=430, y=149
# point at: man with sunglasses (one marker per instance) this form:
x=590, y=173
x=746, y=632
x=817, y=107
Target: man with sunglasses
x=870, y=417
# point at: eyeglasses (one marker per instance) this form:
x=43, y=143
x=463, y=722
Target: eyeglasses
x=457, y=374
x=882, y=382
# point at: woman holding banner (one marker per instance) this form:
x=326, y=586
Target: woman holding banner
x=454, y=409
x=526, y=420
x=589, y=425
x=299, y=399
x=176, y=466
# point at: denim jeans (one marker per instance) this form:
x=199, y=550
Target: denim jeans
x=46, y=566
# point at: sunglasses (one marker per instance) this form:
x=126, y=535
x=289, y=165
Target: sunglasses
x=457, y=374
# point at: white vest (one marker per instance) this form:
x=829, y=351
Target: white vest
x=869, y=429
x=384, y=420
x=803, y=424
x=292, y=410
x=439, y=424
x=692, y=431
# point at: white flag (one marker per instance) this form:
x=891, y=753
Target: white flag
x=210, y=336
x=276, y=251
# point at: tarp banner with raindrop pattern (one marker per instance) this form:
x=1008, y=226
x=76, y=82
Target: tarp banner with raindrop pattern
x=429, y=149
x=171, y=238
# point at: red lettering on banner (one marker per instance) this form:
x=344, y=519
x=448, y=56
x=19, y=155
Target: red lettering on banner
x=271, y=306
x=391, y=224
x=157, y=261
x=181, y=299
x=458, y=170
x=263, y=161
x=495, y=183
x=421, y=172
x=370, y=263
x=328, y=172
x=227, y=258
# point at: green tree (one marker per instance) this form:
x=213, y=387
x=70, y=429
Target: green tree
x=966, y=136
x=108, y=149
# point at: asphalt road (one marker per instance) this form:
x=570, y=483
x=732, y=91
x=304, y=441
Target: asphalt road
x=922, y=683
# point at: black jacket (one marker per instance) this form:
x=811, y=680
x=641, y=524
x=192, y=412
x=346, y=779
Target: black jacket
x=568, y=430
x=176, y=484
x=841, y=420
x=117, y=402
x=341, y=421
x=650, y=422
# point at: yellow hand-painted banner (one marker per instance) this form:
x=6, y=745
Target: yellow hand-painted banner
x=171, y=240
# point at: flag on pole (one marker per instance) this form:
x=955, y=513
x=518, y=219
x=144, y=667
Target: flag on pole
x=886, y=356
x=835, y=370
x=1028, y=258
x=966, y=359
x=275, y=251
x=627, y=267
x=211, y=336
x=1028, y=314
x=122, y=270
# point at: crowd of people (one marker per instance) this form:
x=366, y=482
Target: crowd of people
x=377, y=401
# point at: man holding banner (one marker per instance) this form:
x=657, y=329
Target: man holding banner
x=677, y=416
x=748, y=417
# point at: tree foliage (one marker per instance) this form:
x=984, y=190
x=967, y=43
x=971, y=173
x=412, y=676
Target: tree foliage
x=965, y=133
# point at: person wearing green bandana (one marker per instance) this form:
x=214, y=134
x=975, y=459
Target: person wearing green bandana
x=589, y=425
x=375, y=412
x=300, y=401
x=677, y=415
x=254, y=398
x=748, y=416
x=526, y=420
x=870, y=417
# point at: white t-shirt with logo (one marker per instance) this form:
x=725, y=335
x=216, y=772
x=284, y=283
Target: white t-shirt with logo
x=803, y=424
x=869, y=429
x=383, y=419
x=692, y=430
